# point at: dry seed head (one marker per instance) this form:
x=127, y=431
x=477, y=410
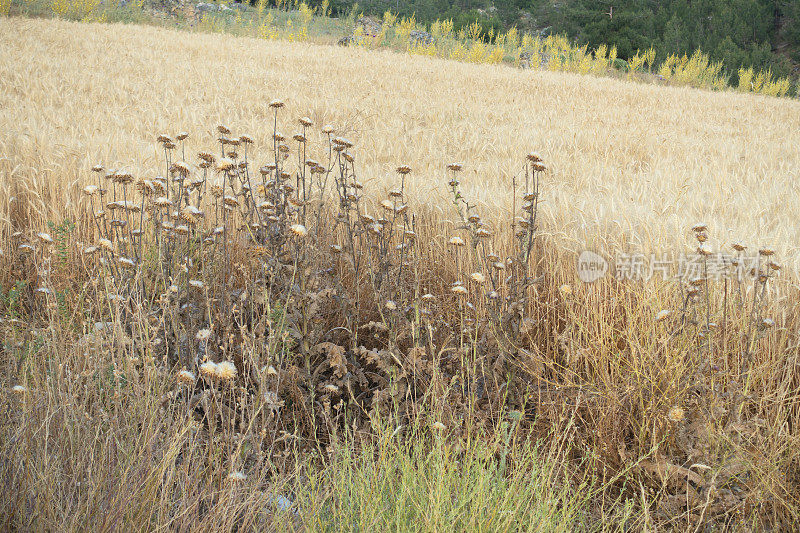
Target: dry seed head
x=196, y=284
x=276, y=104
x=773, y=265
x=473, y=219
x=403, y=169
x=499, y=265
x=697, y=228
x=299, y=230
x=676, y=414
x=341, y=141
x=246, y=139
x=45, y=238
x=90, y=190
x=459, y=289
x=97, y=168
x=238, y=476
x=438, y=426
x=19, y=389
x=203, y=334
x=456, y=241
x=207, y=157
x=478, y=277
x=348, y=157
x=533, y=157
x=538, y=167
x=127, y=263
x=299, y=137
x=455, y=167
x=271, y=371
x=766, y=252
x=768, y=323
x=208, y=369
x=738, y=247
x=483, y=233
x=336, y=249
x=231, y=201
x=328, y=129
x=185, y=377
x=223, y=129
x=164, y=139
x=225, y=164
x=225, y=370
x=305, y=121
x=105, y=243
x=391, y=305
x=182, y=136
x=662, y=315
x=388, y=205
x=428, y=297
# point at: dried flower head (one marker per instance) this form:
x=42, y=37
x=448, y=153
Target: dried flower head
x=456, y=241
x=225, y=164
x=676, y=414
x=276, y=104
x=478, y=277
x=455, y=167
x=184, y=377
x=403, y=169
x=299, y=230
x=327, y=129
x=662, y=315
x=203, y=334
x=391, y=305
x=208, y=369
x=19, y=389
x=438, y=426
x=305, y=121
x=225, y=370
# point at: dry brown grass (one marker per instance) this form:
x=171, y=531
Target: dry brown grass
x=691, y=432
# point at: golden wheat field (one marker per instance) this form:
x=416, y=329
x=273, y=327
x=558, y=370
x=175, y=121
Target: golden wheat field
x=252, y=350
x=631, y=165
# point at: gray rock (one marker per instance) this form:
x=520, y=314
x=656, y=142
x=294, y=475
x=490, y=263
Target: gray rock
x=420, y=37
x=202, y=8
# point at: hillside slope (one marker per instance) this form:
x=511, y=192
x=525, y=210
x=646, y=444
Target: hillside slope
x=631, y=165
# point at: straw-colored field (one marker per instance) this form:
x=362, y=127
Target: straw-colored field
x=629, y=162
